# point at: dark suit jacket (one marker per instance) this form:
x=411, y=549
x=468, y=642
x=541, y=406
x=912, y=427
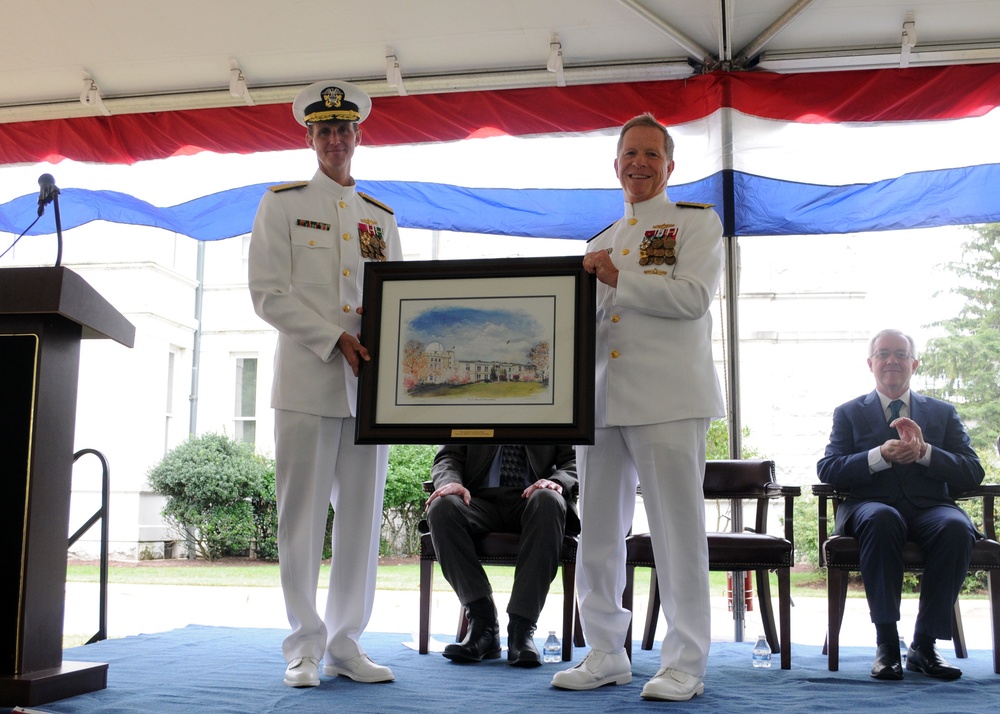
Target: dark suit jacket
x=860, y=425
x=469, y=465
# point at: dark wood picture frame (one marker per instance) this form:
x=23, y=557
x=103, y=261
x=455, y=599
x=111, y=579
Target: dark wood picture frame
x=424, y=393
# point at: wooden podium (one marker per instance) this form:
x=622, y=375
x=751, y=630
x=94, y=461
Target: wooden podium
x=44, y=313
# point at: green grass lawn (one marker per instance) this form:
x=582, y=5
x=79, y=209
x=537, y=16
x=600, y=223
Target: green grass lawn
x=390, y=577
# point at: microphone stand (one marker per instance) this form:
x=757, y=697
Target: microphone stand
x=59, y=237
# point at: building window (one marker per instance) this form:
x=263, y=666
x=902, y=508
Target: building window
x=246, y=400
x=169, y=420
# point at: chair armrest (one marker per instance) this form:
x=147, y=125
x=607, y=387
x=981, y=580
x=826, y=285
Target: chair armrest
x=989, y=492
x=823, y=490
x=789, y=493
x=776, y=490
x=748, y=493
x=983, y=489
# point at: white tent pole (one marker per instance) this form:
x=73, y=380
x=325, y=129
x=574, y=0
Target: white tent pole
x=732, y=355
x=695, y=51
x=757, y=44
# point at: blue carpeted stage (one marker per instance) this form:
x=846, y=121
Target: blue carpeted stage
x=222, y=670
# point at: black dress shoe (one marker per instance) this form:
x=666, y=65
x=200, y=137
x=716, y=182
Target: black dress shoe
x=887, y=664
x=482, y=641
x=521, y=650
x=931, y=663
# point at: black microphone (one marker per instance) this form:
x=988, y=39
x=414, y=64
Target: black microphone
x=47, y=191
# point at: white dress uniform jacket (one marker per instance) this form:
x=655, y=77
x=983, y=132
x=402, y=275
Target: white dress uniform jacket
x=306, y=273
x=652, y=370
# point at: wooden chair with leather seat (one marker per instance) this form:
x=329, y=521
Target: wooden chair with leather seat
x=840, y=555
x=752, y=550
x=498, y=549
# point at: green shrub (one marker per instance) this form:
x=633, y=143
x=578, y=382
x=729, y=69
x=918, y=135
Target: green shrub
x=717, y=442
x=977, y=581
x=265, y=518
x=409, y=467
x=214, y=485
x=805, y=522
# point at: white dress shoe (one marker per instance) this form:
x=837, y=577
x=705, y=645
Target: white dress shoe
x=302, y=672
x=673, y=686
x=597, y=669
x=360, y=669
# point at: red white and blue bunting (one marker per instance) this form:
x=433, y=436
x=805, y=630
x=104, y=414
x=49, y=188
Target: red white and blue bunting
x=819, y=153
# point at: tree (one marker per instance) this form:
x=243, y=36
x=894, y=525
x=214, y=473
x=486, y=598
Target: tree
x=963, y=366
x=414, y=362
x=539, y=357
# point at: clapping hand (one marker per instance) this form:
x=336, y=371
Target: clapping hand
x=909, y=447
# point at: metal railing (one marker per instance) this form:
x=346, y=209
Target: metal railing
x=100, y=515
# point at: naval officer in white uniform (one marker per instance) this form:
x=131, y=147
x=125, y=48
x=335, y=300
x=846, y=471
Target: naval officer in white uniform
x=309, y=245
x=658, y=270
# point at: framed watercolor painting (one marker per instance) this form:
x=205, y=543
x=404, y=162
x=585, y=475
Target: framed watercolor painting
x=478, y=351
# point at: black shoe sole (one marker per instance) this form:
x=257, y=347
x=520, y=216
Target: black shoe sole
x=466, y=659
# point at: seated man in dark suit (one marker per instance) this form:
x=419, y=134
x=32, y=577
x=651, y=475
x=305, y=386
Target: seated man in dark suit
x=898, y=453
x=480, y=489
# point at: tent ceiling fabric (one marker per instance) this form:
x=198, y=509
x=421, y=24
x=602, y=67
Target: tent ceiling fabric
x=189, y=54
x=855, y=132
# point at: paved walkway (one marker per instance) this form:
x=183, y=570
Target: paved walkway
x=137, y=609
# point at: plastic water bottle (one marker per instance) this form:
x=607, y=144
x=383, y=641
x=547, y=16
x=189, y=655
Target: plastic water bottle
x=762, y=653
x=902, y=651
x=552, y=649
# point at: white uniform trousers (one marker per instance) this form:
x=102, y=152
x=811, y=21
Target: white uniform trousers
x=318, y=464
x=669, y=462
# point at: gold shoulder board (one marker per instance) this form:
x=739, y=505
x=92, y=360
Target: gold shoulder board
x=375, y=202
x=690, y=204
x=286, y=186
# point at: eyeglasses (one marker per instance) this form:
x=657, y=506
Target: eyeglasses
x=901, y=355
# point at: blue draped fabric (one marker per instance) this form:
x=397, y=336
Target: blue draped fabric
x=764, y=206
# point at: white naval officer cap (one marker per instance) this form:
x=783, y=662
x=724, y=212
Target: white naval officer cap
x=331, y=100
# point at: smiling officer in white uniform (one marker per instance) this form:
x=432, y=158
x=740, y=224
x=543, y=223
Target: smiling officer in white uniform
x=309, y=245
x=658, y=268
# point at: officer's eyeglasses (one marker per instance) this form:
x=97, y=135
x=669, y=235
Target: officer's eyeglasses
x=901, y=355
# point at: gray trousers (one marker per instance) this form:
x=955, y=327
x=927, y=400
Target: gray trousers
x=540, y=519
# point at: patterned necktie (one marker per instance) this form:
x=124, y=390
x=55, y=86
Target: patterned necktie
x=894, y=406
x=513, y=466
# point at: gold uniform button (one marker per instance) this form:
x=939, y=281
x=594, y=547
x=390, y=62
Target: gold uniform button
x=615, y=318
x=632, y=221
x=625, y=251
x=312, y=242
x=614, y=354
x=347, y=236
x=343, y=205
x=347, y=308
x=346, y=272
